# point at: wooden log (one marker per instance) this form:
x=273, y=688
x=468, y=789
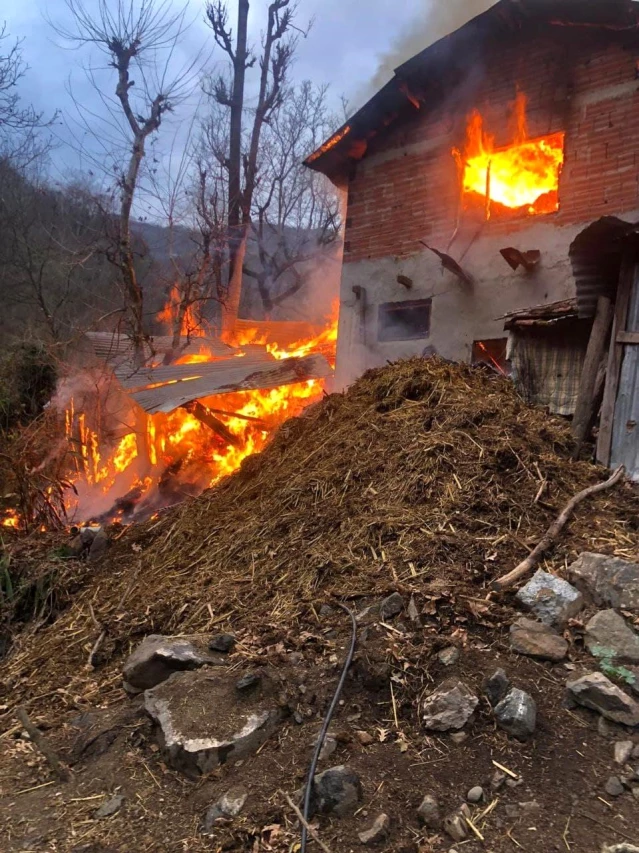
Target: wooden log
x=206, y=417
x=39, y=741
x=594, y=356
x=552, y=534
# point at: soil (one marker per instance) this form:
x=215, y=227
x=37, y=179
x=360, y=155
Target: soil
x=426, y=479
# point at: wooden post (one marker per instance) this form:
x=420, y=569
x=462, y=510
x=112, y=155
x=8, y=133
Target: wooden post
x=615, y=355
x=594, y=356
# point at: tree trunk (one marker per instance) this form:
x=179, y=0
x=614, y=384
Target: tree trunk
x=135, y=298
x=231, y=305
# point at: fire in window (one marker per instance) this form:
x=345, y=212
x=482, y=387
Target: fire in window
x=404, y=321
x=492, y=352
x=520, y=179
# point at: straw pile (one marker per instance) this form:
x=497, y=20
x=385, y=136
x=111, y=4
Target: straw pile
x=424, y=477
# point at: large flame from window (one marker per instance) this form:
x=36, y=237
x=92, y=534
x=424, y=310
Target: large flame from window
x=522, y=177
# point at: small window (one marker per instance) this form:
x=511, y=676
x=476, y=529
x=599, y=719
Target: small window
x=404, y=321
x=493, y=353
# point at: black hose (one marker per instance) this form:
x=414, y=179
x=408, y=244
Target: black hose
x=327, y=722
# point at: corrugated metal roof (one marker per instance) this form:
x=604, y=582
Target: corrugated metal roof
x=552, y=312
x=595, y=255
x=116, y=348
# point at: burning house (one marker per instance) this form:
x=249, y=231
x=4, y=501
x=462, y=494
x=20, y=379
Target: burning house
x=491, y=191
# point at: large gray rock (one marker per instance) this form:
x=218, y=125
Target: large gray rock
x=598, y=693
x=429, y=813
x=537, y=640
x=449, y=707
x=336, y=791
x=516, y=714
x=203, y=721
x=610, y=581
x=610, y=638
x=156, y=658
x=552, y=600
x=228, y=806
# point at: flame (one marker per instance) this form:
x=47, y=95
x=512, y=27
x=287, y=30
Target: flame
x=522, y=176
x=182, y=455
x=189, y=325
x=11, y=519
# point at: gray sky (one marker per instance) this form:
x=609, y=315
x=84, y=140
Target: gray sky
x=353, y=46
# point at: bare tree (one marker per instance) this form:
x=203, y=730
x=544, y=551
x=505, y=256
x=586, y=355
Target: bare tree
x=278, y=47
x=139, y=37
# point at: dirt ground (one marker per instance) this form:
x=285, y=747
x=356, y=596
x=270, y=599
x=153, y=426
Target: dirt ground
x=561, y=773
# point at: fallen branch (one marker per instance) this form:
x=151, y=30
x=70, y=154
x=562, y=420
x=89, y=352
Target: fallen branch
x=551, y=535
x=40, y=742
x=312, y=832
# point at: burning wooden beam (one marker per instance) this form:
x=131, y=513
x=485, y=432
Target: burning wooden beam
x=206, y=417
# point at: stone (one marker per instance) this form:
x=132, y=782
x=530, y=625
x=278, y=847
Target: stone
x=496, y=687
x=223, y=643
x=157, y=658
x=110, y=807
x=428, y=812
x=498, y=780
x=364, y=738
x=598, y=693
x=621, y=848
x=613, y=787
x=329, y=748
x=552, y=600
x=459, y=737
x=325, y=611
x=516, y=714
x=530, y=807
x=475, y=795
x=449, y=656
x=391, y=606
x=610, y=638
x=448, y=707
x=456, y=827
x=610, y=581
x=336, y=791
x=413, y=612
x=228, y=806
x=377, y=833
x=248, y=682
x=203, y=721
x=635, y=751
x=536, y=640
x=99, y=545
x=635, y=792
x=623, y=751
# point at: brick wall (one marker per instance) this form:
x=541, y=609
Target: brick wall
x=406, y=189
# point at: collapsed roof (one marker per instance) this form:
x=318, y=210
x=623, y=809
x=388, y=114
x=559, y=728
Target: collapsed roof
x=419, y=81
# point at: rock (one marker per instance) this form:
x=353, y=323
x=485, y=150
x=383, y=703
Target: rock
x=228, y=806
x=609, y=637
x=610, y=581
x=530, y=807
x=448, y=707
x=336, y=791
x=613, y=787
x=110, y=807
x=156, y=658
x=223, y=643
x=552, y=600
x=364, y=738
x=329, y=748
x=449, y=656
x=203, y=721
x=537, y=640
x=428, y=812
x=391, y=606
x=635, y=792
x=598, y=693
x=99, y=545
x=326, y=610
x=623, y=751
x=621, y=848
x=516, y=714
x=378, y=832
x=248, y=682
x=635, y=751
x=475, y=795
x=459, y=737
x=498, y=781
x=456, y=827
x=496, y=687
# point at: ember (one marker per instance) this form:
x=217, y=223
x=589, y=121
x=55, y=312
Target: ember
x=521, y=177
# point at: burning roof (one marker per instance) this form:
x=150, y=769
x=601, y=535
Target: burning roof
x=419, y=81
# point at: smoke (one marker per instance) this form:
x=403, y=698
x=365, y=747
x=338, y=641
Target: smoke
x=436, y=19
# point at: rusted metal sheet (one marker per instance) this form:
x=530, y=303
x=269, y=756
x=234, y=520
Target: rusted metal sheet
x=625, y=431
x=230, y=378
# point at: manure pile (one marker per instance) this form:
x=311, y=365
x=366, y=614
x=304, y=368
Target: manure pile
x=423, y=477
